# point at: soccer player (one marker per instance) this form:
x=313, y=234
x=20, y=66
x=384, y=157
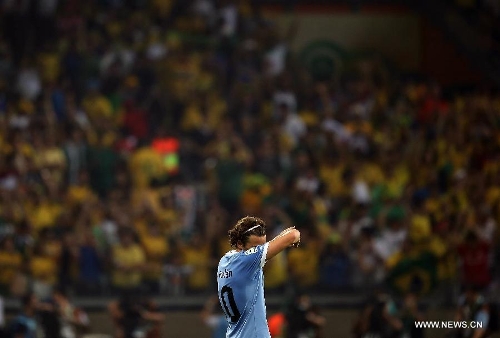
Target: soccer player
x=240, y=278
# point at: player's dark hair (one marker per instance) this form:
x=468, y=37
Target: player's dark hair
x=244, y=228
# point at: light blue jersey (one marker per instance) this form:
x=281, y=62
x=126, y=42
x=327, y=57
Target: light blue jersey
x=240, y=283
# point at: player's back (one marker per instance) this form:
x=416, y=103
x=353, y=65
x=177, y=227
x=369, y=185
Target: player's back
x=241, y=292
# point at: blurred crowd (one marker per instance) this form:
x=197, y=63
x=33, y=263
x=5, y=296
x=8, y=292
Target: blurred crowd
x=389, y=181
x=385, y=316
x=53, y=317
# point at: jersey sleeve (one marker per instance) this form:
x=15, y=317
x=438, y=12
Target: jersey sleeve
x=255, y=257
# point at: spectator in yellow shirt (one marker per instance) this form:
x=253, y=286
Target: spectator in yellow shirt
x=97, y=106
x=44, y=213
x=156, y=248
x=50, y=156
x=52, y=244
x=196, y=256
x=303, y=262
x=204, y=114
x=145, y=165
x=49, y=63
x=80, y=192
x=331, y=171
x=128, y=262
x=44, y=271
x=10, y=264
x=275, y=275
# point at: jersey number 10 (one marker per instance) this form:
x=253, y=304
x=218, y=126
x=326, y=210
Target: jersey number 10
x=231, y=311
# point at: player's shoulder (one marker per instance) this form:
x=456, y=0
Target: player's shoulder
x=235, y=255
x=259, y=249
x=229, y=254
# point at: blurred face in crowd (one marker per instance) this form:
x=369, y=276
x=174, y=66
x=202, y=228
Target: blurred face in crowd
x=127, y=239
x=304, y=302
x=471, y=295
x=154, y=229
x=30, y=303
x=196, y=240
x=283, y=112
x=69, y=239
x=410, y=301
x=8, y=244
x=395, y=224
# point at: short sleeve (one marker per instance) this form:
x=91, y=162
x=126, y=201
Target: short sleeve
x=256, y=257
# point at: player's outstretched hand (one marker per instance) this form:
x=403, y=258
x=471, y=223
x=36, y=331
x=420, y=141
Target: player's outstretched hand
x=296, y=244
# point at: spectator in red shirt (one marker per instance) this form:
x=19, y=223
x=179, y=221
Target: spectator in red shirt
x=432, y=106
x=135, y=121
x=474, y=254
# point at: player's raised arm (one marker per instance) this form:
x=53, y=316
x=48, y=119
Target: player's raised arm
x=286, y=238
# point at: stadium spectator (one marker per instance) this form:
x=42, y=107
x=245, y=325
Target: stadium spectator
x=25, y=325
x=472, y=306
x=303, y=319
x=134, y=316
x=74, y=321
x=475, y=257
x=10, y=263
x=196, y=257
x=334, y=265
x=411, y=312
x=303, y=262
x=128, y=262
x=90, y=265
x=367, y=270
x=67, y=260
x=156, y=249
x=378, y=317
x=43, y=270
x=215, y=321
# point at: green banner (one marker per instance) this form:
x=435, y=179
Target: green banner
x=416, y=274
x=324, y=59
